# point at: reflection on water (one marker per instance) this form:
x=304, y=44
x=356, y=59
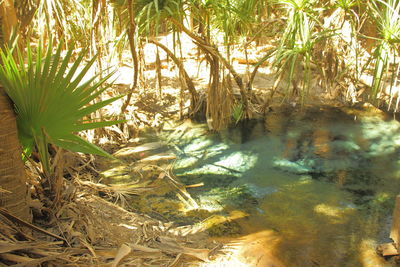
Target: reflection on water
x=320, y=182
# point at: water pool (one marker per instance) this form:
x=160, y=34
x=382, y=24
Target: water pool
x=314, y=187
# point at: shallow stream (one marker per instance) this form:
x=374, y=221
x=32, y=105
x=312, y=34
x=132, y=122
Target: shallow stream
x=320, y=183
x=311, y=187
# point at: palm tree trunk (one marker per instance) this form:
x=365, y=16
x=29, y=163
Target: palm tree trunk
x=9, y=18
x=13, y=187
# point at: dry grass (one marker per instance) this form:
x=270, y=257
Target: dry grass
x=88, y=230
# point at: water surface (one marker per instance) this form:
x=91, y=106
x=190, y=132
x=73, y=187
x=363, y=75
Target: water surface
x=315, y=187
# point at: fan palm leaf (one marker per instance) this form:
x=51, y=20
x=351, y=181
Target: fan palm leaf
x=51, y=100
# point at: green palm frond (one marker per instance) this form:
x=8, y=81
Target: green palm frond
x=151, y=14
x=52, y=100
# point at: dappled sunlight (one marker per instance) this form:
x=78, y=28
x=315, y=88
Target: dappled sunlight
x=244, y=133
x=368, y=256
x=117, y=174
x=227, y=261
x=312, y=231
x=206, y=153
x=232, y=164
x=333, y=211
x=208, y=206
x=255, y=249
x=215, y=150
x=383, y=135
x=310, y=185
x=240, y=161
x=219, y=225
x=138, y=151
x=186, y=163
x=185, y=132
x=197, y=145
x=210, y=169
x=306, y=195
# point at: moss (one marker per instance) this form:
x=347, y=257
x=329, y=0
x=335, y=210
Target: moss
x=227, y=228
x=219, y=225
x=198, y=214
x=220, y=198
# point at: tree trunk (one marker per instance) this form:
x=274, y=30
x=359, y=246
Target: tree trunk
x=13, y=187
x=209, y=48
x=9, y=18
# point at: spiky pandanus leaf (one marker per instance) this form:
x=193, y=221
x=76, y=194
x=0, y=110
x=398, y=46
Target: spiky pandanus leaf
x=387, y=17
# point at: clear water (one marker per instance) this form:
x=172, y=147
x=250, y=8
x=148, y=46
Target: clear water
x=321, y=182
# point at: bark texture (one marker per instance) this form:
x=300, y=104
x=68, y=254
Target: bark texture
x=13, y=187
x=9, y=18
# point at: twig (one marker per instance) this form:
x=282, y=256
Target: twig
x=195, y=185
x=11, y=217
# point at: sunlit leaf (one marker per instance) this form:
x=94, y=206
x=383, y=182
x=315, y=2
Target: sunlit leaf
x=50, y=99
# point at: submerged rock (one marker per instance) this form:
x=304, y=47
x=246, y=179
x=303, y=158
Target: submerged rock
x=290, y=166
x=344, y=146
x=259, y=191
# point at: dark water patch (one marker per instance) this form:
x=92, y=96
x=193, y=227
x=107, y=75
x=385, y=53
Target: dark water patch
x=246, y=130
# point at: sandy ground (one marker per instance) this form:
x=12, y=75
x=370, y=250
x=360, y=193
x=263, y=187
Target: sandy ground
x=198, y=70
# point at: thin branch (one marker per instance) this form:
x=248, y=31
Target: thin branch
x=213, y=51
x=179, y=64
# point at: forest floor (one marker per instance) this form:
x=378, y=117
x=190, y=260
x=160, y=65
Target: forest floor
x=91, y=221
x=152, y=107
